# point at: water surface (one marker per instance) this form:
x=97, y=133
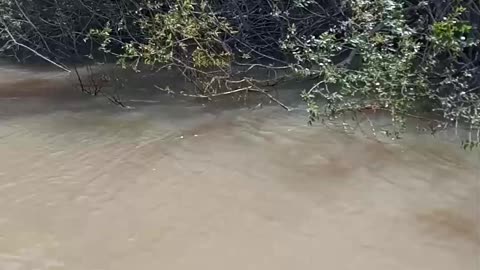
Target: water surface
x=85, y=185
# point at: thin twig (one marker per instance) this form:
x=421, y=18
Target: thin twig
x=32, y=50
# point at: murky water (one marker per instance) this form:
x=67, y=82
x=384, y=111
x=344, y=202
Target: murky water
x=175, y=185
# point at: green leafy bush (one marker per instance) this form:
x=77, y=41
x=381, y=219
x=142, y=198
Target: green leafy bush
x=391, y=65
x=188, y=36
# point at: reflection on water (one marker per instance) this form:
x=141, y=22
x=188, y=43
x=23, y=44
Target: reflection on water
x=173, y=185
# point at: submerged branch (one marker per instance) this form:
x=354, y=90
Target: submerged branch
x=236, y=91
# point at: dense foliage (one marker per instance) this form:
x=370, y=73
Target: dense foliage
x=404, y=57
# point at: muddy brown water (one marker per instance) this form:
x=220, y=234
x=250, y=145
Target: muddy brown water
x=176, y=185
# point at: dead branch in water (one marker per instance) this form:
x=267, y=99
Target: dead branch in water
x=236, y=91
x=95, y=87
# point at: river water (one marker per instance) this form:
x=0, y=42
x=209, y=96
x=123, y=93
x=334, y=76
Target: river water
x=174, y=184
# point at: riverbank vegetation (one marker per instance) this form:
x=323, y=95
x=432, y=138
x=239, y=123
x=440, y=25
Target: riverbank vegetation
x=404, y=57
